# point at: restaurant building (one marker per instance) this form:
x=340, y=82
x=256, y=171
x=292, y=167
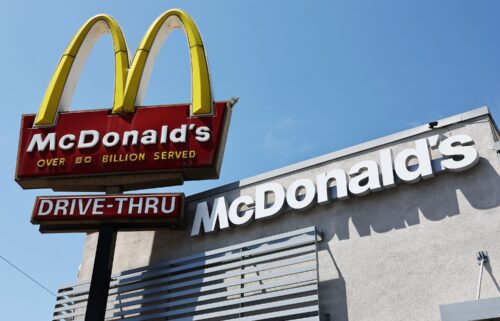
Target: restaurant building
x=403, y=227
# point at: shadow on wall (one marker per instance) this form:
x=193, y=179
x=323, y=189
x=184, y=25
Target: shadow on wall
x=435, y=199
x=333, y=295
x=489, y=269
x=399, y=208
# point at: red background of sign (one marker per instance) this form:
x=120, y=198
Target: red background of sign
x=103, y=121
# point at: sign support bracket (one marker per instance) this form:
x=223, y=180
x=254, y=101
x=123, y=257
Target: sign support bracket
x=101, y=272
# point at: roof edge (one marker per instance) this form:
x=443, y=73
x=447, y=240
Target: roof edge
x=315, y=161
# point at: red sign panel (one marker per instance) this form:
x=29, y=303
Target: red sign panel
x=83, y=212
x=153, y=140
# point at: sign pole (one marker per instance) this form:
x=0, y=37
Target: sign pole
x=101, y=272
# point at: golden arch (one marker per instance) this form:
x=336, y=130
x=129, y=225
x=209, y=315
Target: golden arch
x=130, y=80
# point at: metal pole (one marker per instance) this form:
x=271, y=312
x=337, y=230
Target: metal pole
x=482, y=258
x=480, y=278
x=101, y=272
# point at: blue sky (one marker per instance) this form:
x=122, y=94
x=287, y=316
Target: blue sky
x=312, y=77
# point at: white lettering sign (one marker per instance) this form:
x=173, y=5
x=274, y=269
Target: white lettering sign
x=91, y=138
x=408, y=166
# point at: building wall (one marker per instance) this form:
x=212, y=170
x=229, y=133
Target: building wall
x=396, y=254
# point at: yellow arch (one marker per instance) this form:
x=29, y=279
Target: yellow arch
x=144, y=58
x=61, y=86
x=130, y=84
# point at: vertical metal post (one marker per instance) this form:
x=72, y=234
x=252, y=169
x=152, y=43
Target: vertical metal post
x=482, y=258
x=318, y=237
x=101, y=272
x=480, y=279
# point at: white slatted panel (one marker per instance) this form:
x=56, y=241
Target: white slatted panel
x=274, y=278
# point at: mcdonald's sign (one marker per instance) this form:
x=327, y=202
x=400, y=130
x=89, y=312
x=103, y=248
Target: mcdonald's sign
x=129, y=145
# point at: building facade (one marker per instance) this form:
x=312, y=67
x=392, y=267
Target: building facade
x=398, y=239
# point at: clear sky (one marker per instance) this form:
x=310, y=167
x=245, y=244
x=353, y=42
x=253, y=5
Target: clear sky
x=312, y=77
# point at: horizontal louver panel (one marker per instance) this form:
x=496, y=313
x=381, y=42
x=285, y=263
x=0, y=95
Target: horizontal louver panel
x=274, y=278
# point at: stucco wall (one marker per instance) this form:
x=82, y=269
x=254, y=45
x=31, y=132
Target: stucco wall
x=396, y=254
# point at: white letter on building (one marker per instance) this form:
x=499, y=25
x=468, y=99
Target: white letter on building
x=361, y=172
x=324, y=182
x=424, y=166
x=202, y=216
x=387, y=168
x=240, y=218
x=461, y=157
x=261, y=191
x=305, y=201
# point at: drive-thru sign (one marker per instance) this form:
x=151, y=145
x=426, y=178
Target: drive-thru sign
x=131, y=211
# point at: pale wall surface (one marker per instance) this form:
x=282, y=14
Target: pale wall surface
x=396, y=254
